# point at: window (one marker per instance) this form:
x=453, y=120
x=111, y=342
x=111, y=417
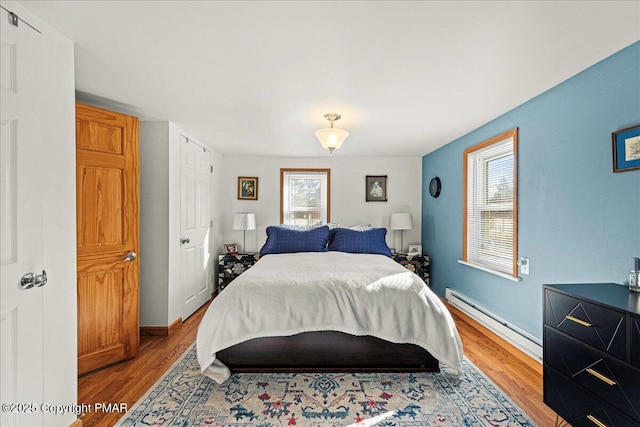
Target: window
x=490, y=239
x=304, y=197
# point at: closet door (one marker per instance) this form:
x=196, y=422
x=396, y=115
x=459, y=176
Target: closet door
x=107, y=235
x=195, y=226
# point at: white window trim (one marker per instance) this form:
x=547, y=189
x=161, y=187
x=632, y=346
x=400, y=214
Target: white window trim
x=285, y=176
x=488, y=270
x=496, y=147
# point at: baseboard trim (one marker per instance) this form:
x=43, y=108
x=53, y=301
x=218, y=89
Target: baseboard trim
x=519, y=354
x=161, y=331
x=76, y=423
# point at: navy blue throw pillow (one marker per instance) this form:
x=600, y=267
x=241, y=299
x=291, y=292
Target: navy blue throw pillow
x=359, y=242
x=281, y=240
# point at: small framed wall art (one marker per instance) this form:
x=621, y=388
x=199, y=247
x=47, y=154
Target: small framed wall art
x=626, y=149
x=376, y=188
x=247, y=188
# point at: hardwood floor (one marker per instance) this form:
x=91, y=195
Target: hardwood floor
x=127, y=382
x=516, y=374
x=519, y=376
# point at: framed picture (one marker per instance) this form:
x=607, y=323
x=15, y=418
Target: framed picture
x=247, y=188
x=626, y=149
x=415, y=249
x=231, y=248
x=376, y=188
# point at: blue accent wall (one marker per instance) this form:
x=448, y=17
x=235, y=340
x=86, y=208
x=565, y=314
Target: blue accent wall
x=578, y=221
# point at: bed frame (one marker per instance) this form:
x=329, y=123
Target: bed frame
x=326, y=351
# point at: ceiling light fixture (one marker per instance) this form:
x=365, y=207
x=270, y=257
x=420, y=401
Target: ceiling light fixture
x=331, y=138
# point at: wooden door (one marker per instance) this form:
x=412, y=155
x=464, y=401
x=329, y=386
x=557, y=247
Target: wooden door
x=21, y=210
x=107, y=234
x=195, y=226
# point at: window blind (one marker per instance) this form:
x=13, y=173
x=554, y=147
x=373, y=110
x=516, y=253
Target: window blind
x=304, y=197
x=491, y=201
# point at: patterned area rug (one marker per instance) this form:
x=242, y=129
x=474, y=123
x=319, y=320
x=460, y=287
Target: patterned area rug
x=183, y=397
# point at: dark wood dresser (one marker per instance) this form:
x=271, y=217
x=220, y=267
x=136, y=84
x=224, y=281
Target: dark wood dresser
x=592, y=354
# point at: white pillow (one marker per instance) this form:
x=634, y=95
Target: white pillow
x=361, y=227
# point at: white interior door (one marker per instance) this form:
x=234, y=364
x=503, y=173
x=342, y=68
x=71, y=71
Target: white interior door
x=21, y=336
x=195, y=225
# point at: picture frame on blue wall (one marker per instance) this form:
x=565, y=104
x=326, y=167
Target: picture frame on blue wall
x=626, y=149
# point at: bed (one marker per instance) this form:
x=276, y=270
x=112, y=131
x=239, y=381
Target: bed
x=327, y=310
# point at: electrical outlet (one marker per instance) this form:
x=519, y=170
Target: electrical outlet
x=524, y=265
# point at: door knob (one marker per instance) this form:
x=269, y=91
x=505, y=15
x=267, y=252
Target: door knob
x=184, y=240
x=129, y=257
x=31, y=280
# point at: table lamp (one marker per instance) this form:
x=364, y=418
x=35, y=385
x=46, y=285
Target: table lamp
x=401, y=221
x=244, y=221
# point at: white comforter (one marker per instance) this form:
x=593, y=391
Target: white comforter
x=359, y=294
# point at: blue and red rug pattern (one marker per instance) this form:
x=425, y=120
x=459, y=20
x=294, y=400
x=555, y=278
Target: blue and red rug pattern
x=183, y=397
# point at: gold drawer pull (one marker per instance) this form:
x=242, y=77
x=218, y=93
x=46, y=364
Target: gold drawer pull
x=596, y=421
x=578, y=321
x=601, y=377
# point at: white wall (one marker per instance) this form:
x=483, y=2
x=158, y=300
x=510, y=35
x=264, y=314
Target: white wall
x=160, y=270
x=154, y=223
x=59, y=226
x=348, y=205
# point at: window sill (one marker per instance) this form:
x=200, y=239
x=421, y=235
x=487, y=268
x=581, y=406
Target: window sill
x=488, y=270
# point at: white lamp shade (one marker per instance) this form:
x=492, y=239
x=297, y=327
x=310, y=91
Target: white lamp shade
x=244, y=221
x=401, y=221
x=331, y=138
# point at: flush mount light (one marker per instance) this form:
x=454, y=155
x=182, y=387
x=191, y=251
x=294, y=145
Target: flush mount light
x=331, y=138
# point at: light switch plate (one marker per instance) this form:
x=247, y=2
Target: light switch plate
x=524, y=265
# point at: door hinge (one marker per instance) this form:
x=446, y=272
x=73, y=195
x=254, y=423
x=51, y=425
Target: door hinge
x=211, y=223
x=211, y=168
x=13, y=19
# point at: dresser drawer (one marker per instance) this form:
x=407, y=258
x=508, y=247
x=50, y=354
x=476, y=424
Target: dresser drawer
x=598, y=326
x=635, y=341
x=579, y=407
x=616, y=382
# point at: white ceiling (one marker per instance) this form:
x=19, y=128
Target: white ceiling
x=256, y=77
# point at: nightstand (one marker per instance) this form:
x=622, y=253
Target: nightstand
x=231, y=266
x=419, y=264
x=591, y=373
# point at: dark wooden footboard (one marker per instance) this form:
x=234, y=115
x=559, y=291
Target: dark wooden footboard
x=326, y=351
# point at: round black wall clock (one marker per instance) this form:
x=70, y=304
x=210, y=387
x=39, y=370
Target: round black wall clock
x=434, y=187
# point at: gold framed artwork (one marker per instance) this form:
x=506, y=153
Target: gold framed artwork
x=247, y=188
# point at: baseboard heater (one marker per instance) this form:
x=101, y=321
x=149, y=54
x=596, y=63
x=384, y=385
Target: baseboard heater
x=524, y=341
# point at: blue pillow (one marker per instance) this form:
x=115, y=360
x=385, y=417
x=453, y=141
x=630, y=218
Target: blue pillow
x=281, y=240
x=359, y=242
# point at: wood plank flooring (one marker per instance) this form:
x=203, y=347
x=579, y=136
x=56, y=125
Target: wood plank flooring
x=519, y=376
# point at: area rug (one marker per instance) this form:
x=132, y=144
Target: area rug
x=183, y=397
